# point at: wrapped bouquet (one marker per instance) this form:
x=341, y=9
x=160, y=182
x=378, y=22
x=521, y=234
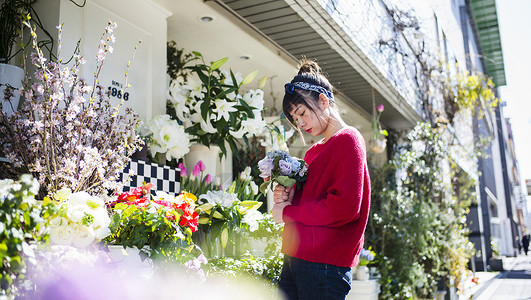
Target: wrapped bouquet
x=278, y=166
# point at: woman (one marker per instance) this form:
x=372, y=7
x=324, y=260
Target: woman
x=325, y=220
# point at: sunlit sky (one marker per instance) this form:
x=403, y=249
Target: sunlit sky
x=514, y=17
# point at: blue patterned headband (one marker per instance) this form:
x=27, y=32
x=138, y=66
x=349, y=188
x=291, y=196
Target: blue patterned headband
x=290, y=87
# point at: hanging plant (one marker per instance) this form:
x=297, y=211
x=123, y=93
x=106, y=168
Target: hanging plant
x=378, y=141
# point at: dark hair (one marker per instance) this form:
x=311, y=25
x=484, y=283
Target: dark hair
x=310, y=72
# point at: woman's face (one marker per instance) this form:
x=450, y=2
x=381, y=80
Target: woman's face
x=306, y=119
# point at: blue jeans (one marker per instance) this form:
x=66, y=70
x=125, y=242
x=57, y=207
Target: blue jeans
x=305, y=280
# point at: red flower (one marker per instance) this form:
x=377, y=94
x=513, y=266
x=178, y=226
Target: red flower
x=190, y=220
x=164, y=203
x=135, y=193
x=131, y=195
x=140, y=203
x=475, y=280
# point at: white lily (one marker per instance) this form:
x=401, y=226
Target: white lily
x=207, y=126
x=223, y=108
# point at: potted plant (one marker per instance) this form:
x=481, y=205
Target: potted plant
x=210, y=104
x=366, y=257
x=67, y=133
x=378, y=141
x=159, y=227
x=12, y=15
x=225, y=214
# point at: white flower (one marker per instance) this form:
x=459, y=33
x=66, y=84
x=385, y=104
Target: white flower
x=254, y=126
x=251, y=218
x=223, y=198
x=83, y=236
x=195, y=112
x=79, y=198
x=75, y=213
x=223, y=108
x=170, y=137
x=197, y=90
x=228, y=78
x=207, y=127
x=254, y=187
x=101, y=232
x=101, y=218
x=255, y=99
x=160, y=195
x=178, y=96
x=61, y=235
x=246, y=174
x=179, y=150
x=5, y=185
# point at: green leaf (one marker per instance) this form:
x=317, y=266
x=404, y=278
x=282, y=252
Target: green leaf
x=264, y=186
x=285, y=181
x=215, y=65
x=197, y=54
x=249, y=78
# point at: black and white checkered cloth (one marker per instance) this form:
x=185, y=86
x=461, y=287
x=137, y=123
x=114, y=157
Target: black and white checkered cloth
x=164, y=178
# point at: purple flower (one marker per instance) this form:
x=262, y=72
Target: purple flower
x=183, y=171
x=208, y=179
x=380, y=108
x=285, y=167
x=265, y=166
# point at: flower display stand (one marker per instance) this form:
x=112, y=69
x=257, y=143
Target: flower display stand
x=165, y=178
x=362, y=286
x=129, y=264
x=364, y=290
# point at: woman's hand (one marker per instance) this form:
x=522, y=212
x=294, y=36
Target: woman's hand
x=283, y=194
x=277, y=211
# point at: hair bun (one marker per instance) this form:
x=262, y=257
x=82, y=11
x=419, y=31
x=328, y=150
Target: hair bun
x=309, y=66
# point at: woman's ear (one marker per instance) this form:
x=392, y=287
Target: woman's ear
x=323, y=101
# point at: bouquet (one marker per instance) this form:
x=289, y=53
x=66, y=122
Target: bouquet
x=366, y=257
x=278, y=166
x=82, y=219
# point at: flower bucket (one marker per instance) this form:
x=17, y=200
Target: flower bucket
x=377, y=145
x=209, y=156
x=129, y=264
x=362, y=273
x=12, y=76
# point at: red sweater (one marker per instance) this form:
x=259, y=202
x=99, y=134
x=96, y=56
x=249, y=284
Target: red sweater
x=328, y=217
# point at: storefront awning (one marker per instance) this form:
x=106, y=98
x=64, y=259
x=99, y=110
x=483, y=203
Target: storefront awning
x=486, y=21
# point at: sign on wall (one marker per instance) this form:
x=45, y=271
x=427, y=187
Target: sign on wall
x=113, y=74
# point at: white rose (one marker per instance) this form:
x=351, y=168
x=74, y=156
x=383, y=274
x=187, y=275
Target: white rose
x=58, y=221
x=101, y=232
x=79, y=198
x=83, y=236
x=61, y=235
x=76, y=212
x=95, y=203
x=101, y=218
